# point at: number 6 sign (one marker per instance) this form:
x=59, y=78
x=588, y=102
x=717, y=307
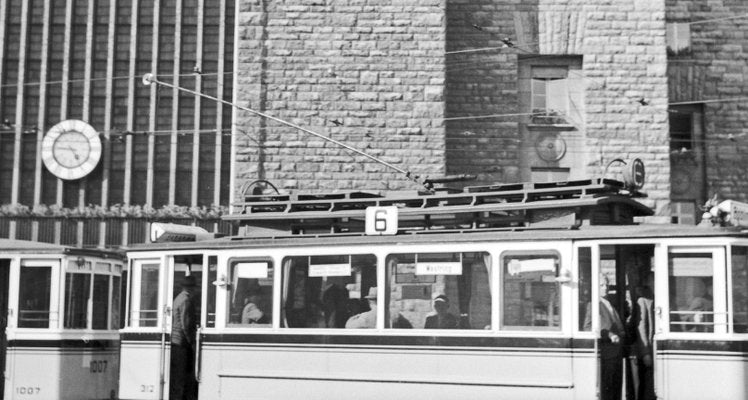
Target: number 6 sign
x=381, y=220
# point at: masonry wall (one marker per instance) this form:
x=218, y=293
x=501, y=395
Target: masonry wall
x=712, y=73
x=624, y=60
x=369, y=73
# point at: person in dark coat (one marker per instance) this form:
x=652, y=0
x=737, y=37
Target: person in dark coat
x=442, y=319
x=612, y=335
x=642, y=373
x=182, y=383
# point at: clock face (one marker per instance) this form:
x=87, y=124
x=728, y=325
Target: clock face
x=71, y=149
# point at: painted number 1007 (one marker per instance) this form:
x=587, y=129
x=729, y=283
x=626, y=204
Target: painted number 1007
x=97, y=366
x=28, y=390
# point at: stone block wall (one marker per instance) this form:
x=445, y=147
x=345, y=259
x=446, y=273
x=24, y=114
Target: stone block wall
x=624, y=60
x=713, y=72
x=369, y=73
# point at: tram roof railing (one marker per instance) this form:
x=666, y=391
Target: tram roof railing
x=476, y=207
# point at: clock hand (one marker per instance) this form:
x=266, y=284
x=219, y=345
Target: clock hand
x=75, y=154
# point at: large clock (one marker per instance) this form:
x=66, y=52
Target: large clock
x=71, y=149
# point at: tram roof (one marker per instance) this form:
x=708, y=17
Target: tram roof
x=594, y=232
x=28, y=246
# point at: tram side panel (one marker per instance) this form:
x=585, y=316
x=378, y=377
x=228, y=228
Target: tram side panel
x=142, y=365
x=705, y=374
x=76, y=373
x=375, y=367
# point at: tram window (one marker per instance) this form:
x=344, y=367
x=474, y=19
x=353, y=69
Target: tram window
x=100, y=308
x=116, y=302
x=691, y=284
x=34, y=295
x=585, y=289
x=210, y=300
x=77, y=293
x=439, y=291
x=251, y=293
x=740, y=289
x=149, y=295
x=331, y=291
x=531, y=298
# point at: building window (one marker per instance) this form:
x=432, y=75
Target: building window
x=549, y=90
x=681, y=130
x=553, y=89
x=678, y=37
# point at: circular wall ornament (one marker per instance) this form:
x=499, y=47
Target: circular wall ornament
x=550, y=147
x=71, y=149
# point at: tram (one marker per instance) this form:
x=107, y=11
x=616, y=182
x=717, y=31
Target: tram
x=490, y=292
x=59, y=338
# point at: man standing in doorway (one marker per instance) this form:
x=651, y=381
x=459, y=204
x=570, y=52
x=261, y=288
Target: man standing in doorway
x=183, y=327
x=612, y=335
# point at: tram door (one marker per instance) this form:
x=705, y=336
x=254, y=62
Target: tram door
x=626, y=292
x=4, y=288
x=183, y=360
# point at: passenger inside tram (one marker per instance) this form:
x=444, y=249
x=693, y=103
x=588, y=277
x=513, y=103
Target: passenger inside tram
x=442, y=318
x=325, y=291
x=366, y=319
x=700, y=306
x=252, y=314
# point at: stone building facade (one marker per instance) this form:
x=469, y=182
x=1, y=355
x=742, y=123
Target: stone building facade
x=367, y=73
x=457, y=87
x=708, y=95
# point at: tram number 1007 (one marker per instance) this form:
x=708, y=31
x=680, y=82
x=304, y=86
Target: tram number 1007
x=28, y=390
x=97, y=366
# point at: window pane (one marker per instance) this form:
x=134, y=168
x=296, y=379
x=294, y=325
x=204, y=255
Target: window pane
x=439, y=291
x=337, y=291
x=100, y=311
x=691, y=280
x=251, y=293
x=211, y=295
x=585, y=289
x=149, y=295
x=116, y=290
x=740, y=289
x=33, y=299
x=77, y=292
x=530, y=292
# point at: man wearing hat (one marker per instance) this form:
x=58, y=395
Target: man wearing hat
x=366, y=319
x=182, y=384
x=442, y=319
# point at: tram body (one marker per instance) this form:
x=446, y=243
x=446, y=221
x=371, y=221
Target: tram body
x=525, y=315
x=60, y=338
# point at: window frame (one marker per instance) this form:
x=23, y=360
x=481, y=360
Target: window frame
x=54, y=289
x=719, y=290
x=436, y=250
x=731, y=288
x=98, y=267
x=135, y=289
x=325, y=252
x=232, y=261
x=561, y=298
